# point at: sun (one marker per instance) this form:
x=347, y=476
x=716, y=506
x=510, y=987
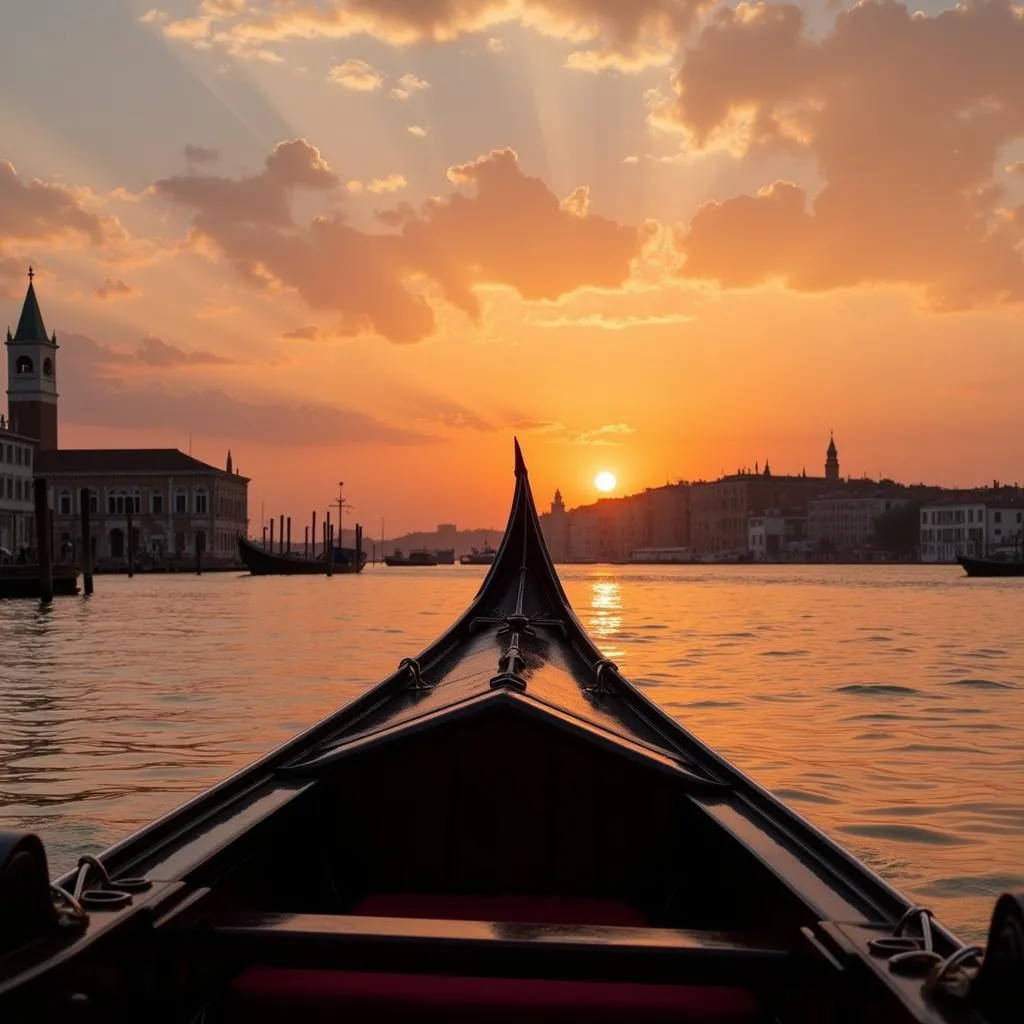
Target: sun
x=605, y=481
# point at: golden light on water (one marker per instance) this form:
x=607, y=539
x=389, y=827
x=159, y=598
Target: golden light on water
x=605, y=481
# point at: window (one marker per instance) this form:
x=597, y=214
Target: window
x=121, y=503
x=180, y=504
x=94, y=502
x=65, y=503
x=201, y=503
x=48, y=367
x=28, y=456
x=998, y=517
x=10, y=453
x=23, y=365
x=17, y=455
x=156, y=503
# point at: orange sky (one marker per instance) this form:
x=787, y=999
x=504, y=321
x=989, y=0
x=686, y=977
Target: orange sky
x=369, y=242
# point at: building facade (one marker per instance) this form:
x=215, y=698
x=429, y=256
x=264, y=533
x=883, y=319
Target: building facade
x=613, y=529
x=162, y=505
x=17, y=465
x=776, y=535
x=847, y=522
x=970, y=527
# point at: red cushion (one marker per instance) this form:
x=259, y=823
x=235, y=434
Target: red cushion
x=307, y=995
x=508, y=908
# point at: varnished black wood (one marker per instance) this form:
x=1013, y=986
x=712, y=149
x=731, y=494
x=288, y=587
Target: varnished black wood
x=493, y=949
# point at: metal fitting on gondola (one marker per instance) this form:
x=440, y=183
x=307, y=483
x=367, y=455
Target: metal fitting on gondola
x=412, y=666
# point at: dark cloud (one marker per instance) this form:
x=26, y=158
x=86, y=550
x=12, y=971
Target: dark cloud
x=512, y=231
x=155, y=351
x=114, y=288
x=96, y=394
x=904, y=115
x=201, y=155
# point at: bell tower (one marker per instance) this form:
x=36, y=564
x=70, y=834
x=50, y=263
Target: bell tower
x=832, y=460
x=32, y=375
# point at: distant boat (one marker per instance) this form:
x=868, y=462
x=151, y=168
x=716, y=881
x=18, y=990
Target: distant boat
x=479, y=556
x=261, y=562
x=417, y=557
x=991, y=566
x=445, y=556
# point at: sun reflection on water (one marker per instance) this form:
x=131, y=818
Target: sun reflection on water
x=605, y=621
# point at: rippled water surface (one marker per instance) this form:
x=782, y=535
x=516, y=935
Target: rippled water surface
x=885, y=704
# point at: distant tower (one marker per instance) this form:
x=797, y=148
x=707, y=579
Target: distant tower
x=558, y=505
x=831, y=459
x=230, y=464
x=32, y=375
x=555, y=525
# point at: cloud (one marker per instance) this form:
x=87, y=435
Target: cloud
x=99, y=397
x=408, y=85
x=418, y=130
x=378, y=186
x=495, y=45
x=626, y=32
x=903, y=115
x=155, y=351
x=45, y=213
x=613, y=323
x=607, y=436
x=510, y=231
x=310, y=332
x=259, y=200
x=356, y=74
x=114, y=288
x=201, y=155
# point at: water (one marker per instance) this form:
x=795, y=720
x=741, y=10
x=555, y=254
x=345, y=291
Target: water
x=886, y=704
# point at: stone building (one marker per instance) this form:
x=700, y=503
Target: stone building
x=177, y=505
x=846, y=522
x=17, y=463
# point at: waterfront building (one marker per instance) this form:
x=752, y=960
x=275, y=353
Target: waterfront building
x=178, y=506
x=973, y=524
x=776, y=535
x=846, y=522
x=612, y=529
x=17, y=464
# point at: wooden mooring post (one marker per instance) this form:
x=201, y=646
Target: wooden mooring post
x=289, y=535
x=131, y=549
x=329, y=545
x=43, y=541
x=312, y=535
x=280, y=538
x=86, y=543
x=271, y=536
x=305, y=545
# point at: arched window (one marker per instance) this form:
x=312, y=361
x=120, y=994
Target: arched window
x=202, y=502
x=180, y=502
x=120, y=502
x=24, y=365
x=65, y=503
x=48, y=367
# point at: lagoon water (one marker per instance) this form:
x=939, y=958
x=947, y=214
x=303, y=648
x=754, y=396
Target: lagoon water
x=886, y=704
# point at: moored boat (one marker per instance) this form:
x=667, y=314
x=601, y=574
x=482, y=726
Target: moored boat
x=261, y=562
x=416, y=557
x=981, y=566
x=479, y=556
x=21, y=579
x=502, y=829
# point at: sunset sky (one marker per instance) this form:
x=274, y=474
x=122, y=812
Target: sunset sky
x=369, y=240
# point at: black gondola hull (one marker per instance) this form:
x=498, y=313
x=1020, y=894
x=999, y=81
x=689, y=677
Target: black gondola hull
x=260, y=562
x=990, y=566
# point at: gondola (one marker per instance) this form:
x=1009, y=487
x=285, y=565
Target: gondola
x=503, y=829
x=261, y=562
x=991, y=566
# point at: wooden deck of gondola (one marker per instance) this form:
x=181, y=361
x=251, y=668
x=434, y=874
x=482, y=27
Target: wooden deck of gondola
x=490, y=949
